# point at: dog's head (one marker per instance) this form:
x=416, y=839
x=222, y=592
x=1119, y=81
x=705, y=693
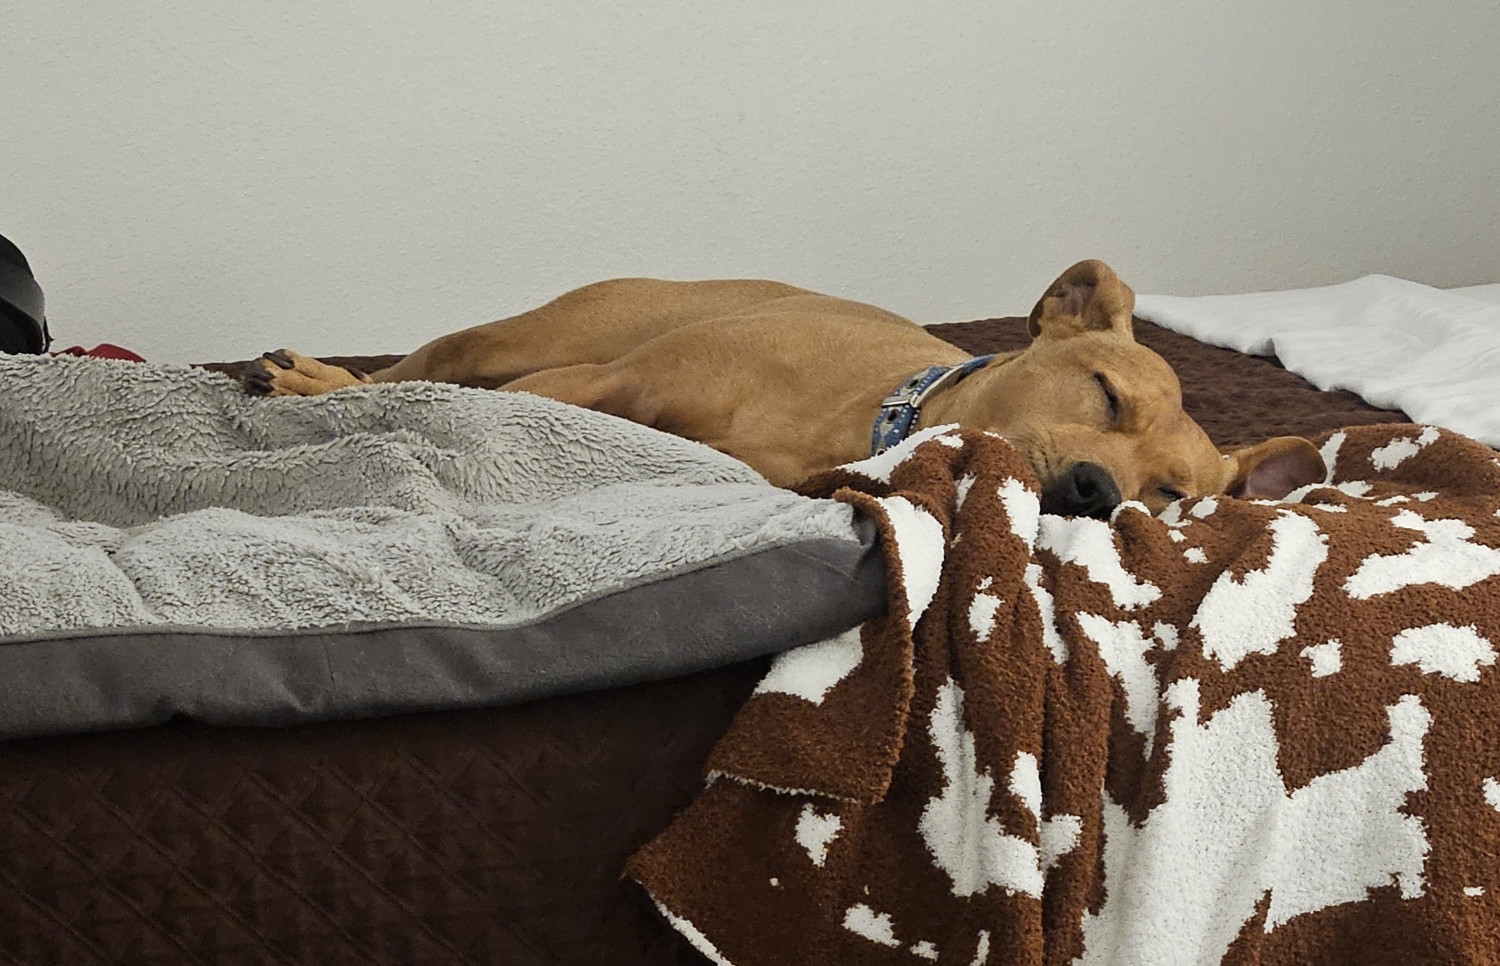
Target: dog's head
x=1100, y=416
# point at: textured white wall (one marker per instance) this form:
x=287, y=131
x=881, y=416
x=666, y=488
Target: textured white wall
x=202, y=180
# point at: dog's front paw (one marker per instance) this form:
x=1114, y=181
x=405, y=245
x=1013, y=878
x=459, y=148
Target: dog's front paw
x=285, y=373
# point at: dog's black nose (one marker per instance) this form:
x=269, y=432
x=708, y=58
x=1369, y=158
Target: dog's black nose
x=1085, y=490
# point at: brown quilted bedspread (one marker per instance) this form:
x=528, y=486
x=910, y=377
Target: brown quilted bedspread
x=473, y=837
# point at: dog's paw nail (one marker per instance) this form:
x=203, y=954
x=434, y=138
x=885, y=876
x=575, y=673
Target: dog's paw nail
x=279, y=357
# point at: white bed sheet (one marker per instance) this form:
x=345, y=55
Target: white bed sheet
x=1433, y=353
x=1488, y=293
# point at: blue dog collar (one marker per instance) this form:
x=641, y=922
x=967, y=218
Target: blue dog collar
x=899, y=411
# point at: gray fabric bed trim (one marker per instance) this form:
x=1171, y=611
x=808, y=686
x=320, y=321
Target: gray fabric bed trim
x=744, y=608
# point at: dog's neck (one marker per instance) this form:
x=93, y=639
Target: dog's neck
x=956, y=403
x=901, y=411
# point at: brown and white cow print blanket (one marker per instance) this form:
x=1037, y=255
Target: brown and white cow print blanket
x=1240, y=733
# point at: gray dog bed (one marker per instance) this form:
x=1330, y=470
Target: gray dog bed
x=169, y=545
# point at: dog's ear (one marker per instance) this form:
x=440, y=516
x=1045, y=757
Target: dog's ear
x=1089, y=297
x=1271, y=470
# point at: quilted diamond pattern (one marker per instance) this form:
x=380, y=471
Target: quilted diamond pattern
x=470, y=837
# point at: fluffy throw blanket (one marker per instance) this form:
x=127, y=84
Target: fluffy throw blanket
x=1241, y=733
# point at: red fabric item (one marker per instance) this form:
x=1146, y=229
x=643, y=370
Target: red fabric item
x=103, y=350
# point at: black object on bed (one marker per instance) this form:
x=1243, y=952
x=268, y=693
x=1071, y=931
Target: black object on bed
x=23, y=319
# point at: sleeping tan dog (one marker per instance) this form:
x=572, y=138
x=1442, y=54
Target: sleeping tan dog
x=793, y=382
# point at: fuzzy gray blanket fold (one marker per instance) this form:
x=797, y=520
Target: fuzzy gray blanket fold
x=169, y=544
x=1243, y=733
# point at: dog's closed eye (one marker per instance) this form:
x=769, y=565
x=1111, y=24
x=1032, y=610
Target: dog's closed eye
x=1111, y=398
x=1171, y=493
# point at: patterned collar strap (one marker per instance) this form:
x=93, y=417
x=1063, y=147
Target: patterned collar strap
x=899, y=411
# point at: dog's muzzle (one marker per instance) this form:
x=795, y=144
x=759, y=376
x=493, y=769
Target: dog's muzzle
x=1084, y=490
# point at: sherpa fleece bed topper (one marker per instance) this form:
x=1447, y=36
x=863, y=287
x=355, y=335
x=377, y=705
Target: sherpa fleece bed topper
x=174, y=546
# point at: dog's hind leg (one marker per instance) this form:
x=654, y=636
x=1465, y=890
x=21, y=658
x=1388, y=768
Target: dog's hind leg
x=592, y=325
x=595, y=324
x=590, y=385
